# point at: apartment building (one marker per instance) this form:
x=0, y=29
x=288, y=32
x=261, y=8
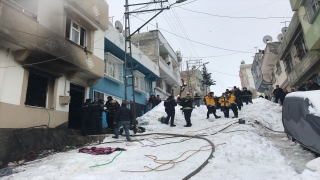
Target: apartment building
x=51, y=53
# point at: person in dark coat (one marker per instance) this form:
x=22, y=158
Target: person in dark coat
x=187, y=107
x=123, y=117
x=197, y=99
x=108, y=103
x=96, y=116
x=313, y=86
x=237, y=93
x=283, y=96
x=170, y=105
x=247, y=95
x=111, y=111
x=299, y=88
x=277, y=93
x=86, y=116
x=152, y=101
x=158, y=100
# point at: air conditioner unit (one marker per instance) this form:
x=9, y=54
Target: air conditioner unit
x=64, y=100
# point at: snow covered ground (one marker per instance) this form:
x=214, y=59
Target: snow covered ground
x=244, y=151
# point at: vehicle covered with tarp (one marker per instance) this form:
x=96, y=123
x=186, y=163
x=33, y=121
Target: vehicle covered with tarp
x=301, y=118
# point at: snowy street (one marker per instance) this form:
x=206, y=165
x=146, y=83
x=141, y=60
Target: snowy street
x=243, y=151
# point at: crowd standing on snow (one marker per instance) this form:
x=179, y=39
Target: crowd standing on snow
x=280, y=94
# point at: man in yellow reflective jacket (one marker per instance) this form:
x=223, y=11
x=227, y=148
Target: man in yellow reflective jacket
x=224, y=103
x=233, y=104
x=211, y=105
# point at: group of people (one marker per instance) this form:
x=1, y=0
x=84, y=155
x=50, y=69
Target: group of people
x=154, y=101
x=117, y=116
x=280, y=94
x=229, y=100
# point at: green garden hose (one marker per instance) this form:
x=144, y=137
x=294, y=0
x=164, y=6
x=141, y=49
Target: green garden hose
x=106, y=163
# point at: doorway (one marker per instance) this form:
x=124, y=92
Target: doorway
x=77, y=99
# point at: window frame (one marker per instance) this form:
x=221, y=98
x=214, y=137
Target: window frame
x=289, y=65
x=117, y=66
x=138, y=79
x=309, y=4
x=301, y=47
x=79, y=31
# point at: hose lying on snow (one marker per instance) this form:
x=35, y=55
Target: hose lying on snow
x=259, y=123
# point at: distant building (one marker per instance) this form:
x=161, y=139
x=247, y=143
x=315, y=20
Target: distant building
x=196, y=85
x=246, y=77
x=157, y=48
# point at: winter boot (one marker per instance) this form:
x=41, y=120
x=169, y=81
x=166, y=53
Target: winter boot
x=115, y=137
x=172, y=125
x=217, y=117
x=235, y=117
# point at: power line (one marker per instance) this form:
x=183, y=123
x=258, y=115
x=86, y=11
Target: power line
x=233, y=17
x=199, y=42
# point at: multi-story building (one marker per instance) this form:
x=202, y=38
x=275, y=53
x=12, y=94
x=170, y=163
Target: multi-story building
x=145, y=73
x=246, y=77
x=195, y=85
x=49, y=51
x=298, y=51
x=157, y=48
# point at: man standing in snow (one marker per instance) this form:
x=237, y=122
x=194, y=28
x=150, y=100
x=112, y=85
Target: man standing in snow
x=170, y=105
x=187, y=106
x=277, y=93
x=224, y=103
x=211, y=105
x=158, y=100
x=197, y=99
x=123, y=117
x=247, y=95
x=233, y=104
x=111, y=111
x=86, y=116
x=299, y=88
x=237, y=93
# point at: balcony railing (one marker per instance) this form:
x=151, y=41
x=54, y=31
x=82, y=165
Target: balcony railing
x=20, y=8
x=312, y=8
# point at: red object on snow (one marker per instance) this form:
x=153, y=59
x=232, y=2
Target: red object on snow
x=99, y=151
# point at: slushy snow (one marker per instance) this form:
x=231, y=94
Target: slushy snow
x=243, y=151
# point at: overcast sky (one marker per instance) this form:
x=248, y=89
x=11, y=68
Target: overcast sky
x=235, y=34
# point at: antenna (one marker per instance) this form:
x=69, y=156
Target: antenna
x=284, y=30
x=267, y=38
x=280, y=37
x=118, y=25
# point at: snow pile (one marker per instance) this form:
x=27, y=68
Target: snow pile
x=313, y=171
x=312, y=96
x=266, y=112
x=240, y=152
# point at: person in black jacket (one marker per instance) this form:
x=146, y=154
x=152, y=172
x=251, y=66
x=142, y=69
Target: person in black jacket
x=237, y=93
x=277, y=93
x=299, y=88
x=86, y=116
x=111, y=111
x=247, y=95
x=313, y=86
x=170, y=105
x=187, y=107
x=123, y=117
x=283, y=96
x=96, y=115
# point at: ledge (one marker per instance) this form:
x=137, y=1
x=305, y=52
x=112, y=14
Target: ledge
x=112, y=79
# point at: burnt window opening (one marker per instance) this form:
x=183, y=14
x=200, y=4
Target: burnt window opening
x=37, y=90
x=301, y=47
x=288, y=63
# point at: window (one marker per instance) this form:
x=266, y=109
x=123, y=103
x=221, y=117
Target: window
x=288, y=63
x=147, y=86
x=278, y=71
x=300, y=47
x=113, y=68
x=76, y=33
x=139, y=82
x=159, y=83
x=168, y=89
x=98, y=95
x=312, y=7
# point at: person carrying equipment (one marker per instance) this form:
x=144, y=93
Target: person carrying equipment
x=210, y=102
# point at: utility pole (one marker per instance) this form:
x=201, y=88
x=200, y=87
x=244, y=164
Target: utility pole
x=128, y=61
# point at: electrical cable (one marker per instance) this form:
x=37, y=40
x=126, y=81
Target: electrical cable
x=233, y=17
x=257, y=122
x=204, y=44
x=107, y=162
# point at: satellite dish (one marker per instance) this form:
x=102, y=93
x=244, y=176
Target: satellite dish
x=284, y=30
x=280, y=37
x=267, y=38
x=118, y=26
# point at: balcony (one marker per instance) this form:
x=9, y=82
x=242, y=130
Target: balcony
x=309, y=60
x=289, y=36
x=20, y=6
x=167, y=74
x=38, y=43
x=295, y=4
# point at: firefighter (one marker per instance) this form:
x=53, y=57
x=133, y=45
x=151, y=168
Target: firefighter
x=211, y=105
x=224, y=103
x=233, y=104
